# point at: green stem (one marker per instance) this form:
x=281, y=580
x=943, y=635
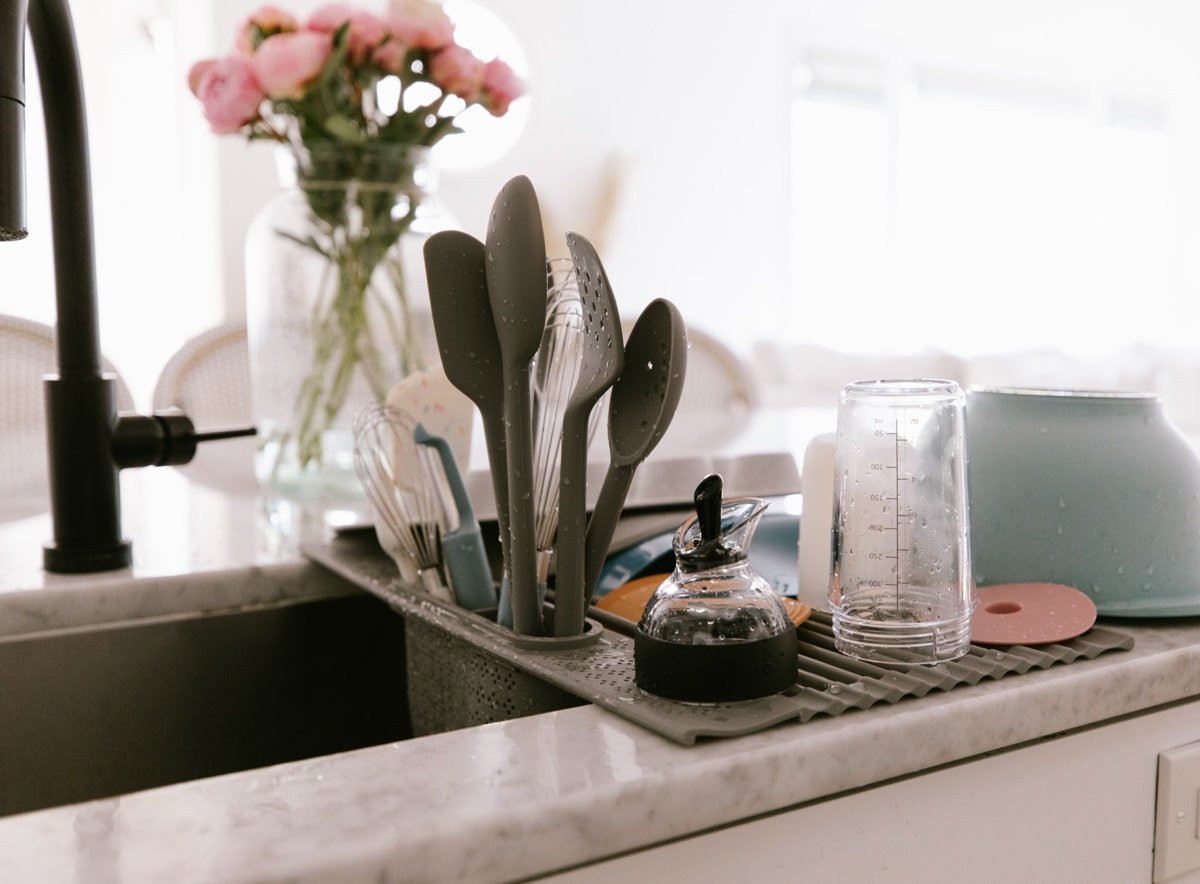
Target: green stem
x=343, y=341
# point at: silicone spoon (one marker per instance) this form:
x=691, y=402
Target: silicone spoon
x=600, y=361
x=516, y=285
x=643, y=402
x=462, y=547
x=428, y=396
x=470, y=348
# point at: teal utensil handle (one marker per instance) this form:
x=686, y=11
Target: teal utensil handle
x=462, y=548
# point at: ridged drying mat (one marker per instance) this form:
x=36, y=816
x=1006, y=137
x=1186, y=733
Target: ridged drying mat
x=464, y=670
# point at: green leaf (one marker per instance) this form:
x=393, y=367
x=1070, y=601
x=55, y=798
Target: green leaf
x=341, y=46
x=344, y=129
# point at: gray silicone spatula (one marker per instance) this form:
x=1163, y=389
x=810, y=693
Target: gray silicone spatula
x=516, y=284
x=462, y=546
x=640, y=409
x=470, y=349
x=600, y=360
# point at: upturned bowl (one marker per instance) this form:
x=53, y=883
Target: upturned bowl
x=1097, y=490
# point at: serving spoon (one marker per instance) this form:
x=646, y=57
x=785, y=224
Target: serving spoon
x=643, y=402
x=516, y=286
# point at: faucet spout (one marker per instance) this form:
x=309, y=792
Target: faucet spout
x=12, y=120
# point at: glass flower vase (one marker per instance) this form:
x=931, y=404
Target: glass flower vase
x=336, y=312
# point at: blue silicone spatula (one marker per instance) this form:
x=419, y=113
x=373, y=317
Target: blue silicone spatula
x=462, y=547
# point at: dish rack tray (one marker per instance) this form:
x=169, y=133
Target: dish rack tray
x=465, y=670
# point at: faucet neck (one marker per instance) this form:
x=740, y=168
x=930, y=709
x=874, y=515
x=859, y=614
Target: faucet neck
x=61, y=82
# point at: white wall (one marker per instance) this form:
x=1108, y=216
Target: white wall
x=690, y=96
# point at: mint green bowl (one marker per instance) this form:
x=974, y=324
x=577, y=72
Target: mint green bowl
x=1097, y=490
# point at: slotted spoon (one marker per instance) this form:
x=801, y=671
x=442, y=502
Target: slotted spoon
x=600, y=361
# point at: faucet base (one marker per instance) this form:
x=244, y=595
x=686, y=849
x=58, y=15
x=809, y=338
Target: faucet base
x=74, y=560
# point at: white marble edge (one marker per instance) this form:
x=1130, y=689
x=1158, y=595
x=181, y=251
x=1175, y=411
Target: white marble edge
x=534, y=795
x=108, y=600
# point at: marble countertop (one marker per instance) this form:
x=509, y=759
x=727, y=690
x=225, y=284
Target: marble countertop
x=498, y=802
x=533, y=795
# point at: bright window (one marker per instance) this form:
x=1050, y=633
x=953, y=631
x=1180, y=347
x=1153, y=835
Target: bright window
x=936, y=209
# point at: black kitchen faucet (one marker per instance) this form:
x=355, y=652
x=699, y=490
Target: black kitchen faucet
x=88, y=443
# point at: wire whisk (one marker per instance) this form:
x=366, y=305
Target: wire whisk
x=404, y=485
x=556, y=371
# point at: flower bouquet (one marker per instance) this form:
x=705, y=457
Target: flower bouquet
x=358, y=98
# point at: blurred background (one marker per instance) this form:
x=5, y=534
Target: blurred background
x=999, y=192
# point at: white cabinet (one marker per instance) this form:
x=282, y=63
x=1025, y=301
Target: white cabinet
x=1078, y=807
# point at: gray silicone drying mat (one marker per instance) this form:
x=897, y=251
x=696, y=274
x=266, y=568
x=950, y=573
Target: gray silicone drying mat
x=464, y=670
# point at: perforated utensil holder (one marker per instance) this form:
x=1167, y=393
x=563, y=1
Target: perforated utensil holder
x=465, y=670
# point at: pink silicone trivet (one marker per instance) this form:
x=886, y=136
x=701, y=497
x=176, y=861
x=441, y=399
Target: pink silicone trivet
x=1030, y=614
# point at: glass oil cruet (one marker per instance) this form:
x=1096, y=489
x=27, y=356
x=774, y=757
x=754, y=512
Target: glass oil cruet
x=715, y=630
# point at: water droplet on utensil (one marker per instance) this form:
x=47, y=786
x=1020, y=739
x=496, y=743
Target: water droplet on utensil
x=1120, y=569
x=1062, y=504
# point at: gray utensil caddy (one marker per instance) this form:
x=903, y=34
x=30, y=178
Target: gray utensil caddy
x=464, y=670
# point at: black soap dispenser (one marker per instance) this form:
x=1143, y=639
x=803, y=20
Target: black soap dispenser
x=715, y=631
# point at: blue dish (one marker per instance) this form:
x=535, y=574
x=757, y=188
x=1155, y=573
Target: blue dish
x=773, y=555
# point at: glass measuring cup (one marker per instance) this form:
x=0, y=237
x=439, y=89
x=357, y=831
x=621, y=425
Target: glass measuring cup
x=900, y=585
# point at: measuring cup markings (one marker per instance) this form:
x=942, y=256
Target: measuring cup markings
x=900, y=567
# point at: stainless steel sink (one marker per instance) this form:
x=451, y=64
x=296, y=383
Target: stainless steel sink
x=94, y=712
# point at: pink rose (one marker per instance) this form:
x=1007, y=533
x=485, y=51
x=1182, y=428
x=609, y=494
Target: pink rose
x=457, y=71
x=196, y=74
x=266, y=21
x=390, y=56
x=420, y=24
x=286, y=63
x=230, y=93
x=501, y=87
x=366, y=29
